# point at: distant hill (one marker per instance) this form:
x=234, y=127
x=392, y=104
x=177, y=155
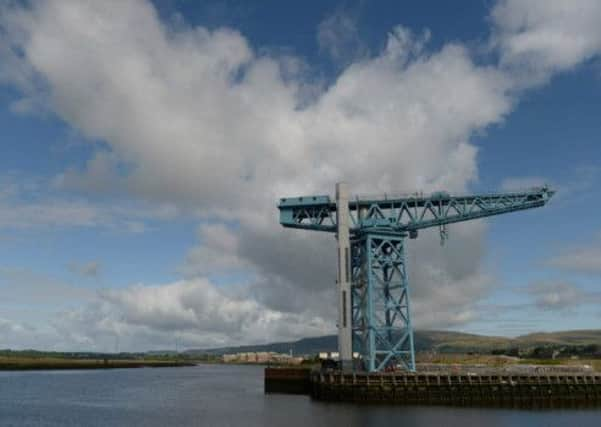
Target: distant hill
x=579, y=337
x=302, y=346
x=440, y=341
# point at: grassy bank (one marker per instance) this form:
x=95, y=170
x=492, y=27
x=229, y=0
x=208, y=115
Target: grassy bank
x=49, y=363
x=501, y=361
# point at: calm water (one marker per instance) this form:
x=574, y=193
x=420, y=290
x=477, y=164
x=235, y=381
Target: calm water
x=221, y=396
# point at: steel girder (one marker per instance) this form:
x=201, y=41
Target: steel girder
x=406, y=214
x=382, y=331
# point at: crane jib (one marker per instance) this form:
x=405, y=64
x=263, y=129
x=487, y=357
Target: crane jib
x=406, y=214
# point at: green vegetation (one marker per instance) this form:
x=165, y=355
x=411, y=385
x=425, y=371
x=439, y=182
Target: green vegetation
x=543, y=362
x=574, y=338
x=440, y=342
x=35, y=360
x=583, y=343
x=572, y=347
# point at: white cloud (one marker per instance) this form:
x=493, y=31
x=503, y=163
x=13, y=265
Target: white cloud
x=22, y=288
x=10, y=327
x=546, y=36
x=556, y=295
x=582, y=260
x=36, y=204
x=218, y=252
x=198, y=119
x=198, y=116
x=522, y=183
x=198, y=311
x=338, y=36
x=51, y=214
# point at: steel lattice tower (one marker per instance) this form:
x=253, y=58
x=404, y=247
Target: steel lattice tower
x=380, y=290
x=374, y=316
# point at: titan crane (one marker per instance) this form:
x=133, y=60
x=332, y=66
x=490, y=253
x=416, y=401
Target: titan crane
x=373, y=288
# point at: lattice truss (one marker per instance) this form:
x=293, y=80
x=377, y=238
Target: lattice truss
x=382, y=331
x=409, y=213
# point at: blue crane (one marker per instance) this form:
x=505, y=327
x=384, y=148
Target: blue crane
x=374, y=317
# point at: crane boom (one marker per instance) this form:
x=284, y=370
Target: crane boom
x=406, y=214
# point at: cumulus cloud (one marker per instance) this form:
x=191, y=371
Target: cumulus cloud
x=20, y=335
x=541, y=37
x=197, y=310
x=198, y=119
x=199, y=116
x=218, y=252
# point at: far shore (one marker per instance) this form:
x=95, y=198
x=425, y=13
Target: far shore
x=30, y=364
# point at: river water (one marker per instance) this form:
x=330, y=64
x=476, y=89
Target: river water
x=219, y=395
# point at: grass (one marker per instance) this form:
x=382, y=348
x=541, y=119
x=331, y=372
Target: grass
x=595, y=363
x=499, y=361
x=465, y=359
x=544, y=362
x=578, y=337
x=42, y=363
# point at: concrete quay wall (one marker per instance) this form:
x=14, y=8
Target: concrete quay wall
x=288, y=380
x=407, y=388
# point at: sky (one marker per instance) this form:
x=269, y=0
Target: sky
x=144, y=147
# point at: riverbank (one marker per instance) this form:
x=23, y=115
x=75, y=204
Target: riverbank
x=48, y=363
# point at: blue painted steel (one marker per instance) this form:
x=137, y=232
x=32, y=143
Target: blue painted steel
x=408, y=213
x=382, y=330
x=305, y=201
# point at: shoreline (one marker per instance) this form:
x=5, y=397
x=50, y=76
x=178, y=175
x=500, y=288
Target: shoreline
x=73, y=364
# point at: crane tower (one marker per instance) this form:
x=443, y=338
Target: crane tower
x=372, y=283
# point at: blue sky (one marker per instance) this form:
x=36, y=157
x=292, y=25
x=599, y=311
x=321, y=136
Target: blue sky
x=145, y=145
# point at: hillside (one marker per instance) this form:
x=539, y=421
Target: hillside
x=580, y=337
x=439, y=341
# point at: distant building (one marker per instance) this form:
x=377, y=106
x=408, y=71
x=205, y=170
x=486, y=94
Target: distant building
x=323, y=355
x=262, y=357
x=229, y=358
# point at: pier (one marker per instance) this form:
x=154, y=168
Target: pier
x=440, y=389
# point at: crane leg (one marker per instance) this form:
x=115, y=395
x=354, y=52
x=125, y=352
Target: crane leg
x=382, y=331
